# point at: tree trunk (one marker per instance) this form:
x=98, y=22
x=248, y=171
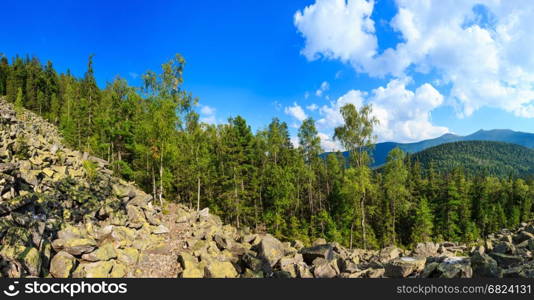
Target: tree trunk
x=362, y=207
x=198, y=193
x=90, y=111
x=79, y=136
x=161, y=178
x=393, y=232
x=351, y=231
x=154, y=194
x=261, y=202
x=236, y=200
x=256, y=211
x=310, y=196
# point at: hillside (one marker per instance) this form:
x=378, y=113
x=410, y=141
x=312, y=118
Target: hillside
x=479, y=157
x=381, y=150
x=62, y=214
x=503, y=135
x=58, y=207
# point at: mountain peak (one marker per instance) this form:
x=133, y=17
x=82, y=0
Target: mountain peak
x=449, y=134
x=495, y=130
x=494, y=135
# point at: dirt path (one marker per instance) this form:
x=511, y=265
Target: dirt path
x=162, y=262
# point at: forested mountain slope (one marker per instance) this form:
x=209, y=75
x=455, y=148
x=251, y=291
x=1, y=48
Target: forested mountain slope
x=478, y=158
x=381, y=150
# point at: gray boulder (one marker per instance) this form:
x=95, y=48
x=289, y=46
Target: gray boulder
x=324, y=251
x=485, y=266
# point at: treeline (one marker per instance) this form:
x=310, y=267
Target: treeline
x=480, y=157
x=152, y=135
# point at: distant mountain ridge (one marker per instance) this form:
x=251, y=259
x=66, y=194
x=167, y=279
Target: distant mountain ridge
x=479, y=157
x=381, y=150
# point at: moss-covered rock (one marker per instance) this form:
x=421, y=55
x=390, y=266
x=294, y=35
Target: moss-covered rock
x=104, y=252
x=136, y=218
x=404, y=266
x=99, y=269
x=62, y=264
x=78, y=246
x=31, y=260
x=220, y=269
x=271, y=249
x=123, y=236
x=190, y=265
x=128, y=256
x=119, y=270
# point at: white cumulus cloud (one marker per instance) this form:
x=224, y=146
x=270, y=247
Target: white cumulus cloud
x=296, y=112
x=404, y=115
x=328, y=144
x=312, y=107
x=325, y=86
x=331, y=117
x=480, y=51
x=338, y=29
x=207, y=114
x=207, y=110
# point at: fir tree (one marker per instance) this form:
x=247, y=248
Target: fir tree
x=19, y=105
x=423, y=223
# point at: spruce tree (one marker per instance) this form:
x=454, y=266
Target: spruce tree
x=423, y=223
x=19, y=105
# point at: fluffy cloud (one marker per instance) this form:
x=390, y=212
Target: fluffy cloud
x=404, y=115
x=207, y=114
x=296, y=112
x=207, y=110
x=331, y=117
x=312, y=107
x=328, y=144
x=338, y=29
x=482, y=52
x=325, y=86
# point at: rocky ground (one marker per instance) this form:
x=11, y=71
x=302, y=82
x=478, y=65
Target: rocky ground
x=63, y=214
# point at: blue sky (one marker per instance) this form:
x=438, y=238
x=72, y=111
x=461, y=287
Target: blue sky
x=259, y=60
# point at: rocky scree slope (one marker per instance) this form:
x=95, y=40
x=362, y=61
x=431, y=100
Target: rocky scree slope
x=63, y=214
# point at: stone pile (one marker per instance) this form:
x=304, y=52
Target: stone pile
x=62, y=213
x=214, y=250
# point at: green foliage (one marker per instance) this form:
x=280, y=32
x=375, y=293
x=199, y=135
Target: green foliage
x=356, y=135
x=479, y=157
x=395, y=193
x=152, y=135
x=19, y=106
x=90, y=169
x=423, y=223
